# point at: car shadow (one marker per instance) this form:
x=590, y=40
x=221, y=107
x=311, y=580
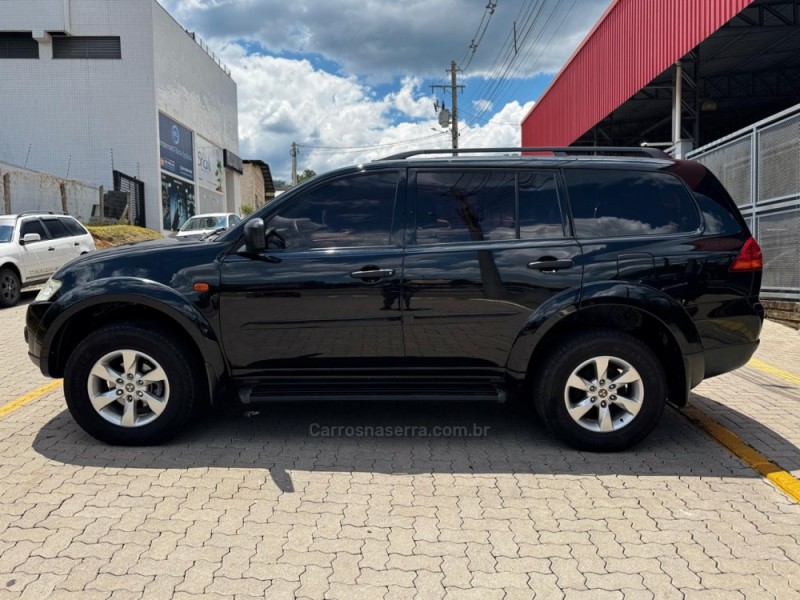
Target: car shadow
x=27, y=296
x=402, y=438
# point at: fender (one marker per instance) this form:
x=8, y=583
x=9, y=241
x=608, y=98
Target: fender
x=538, y=324
x=142, y=292
x=649, y=300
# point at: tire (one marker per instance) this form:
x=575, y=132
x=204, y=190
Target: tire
x=149, y=408
x=10, y=288
x=622, y=413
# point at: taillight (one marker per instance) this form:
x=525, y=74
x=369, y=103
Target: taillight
x=750, y=258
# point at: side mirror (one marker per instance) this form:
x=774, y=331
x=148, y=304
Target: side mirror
x=254, y=236
x=30, y=237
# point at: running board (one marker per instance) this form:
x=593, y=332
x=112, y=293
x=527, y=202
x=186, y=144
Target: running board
x=356, y=389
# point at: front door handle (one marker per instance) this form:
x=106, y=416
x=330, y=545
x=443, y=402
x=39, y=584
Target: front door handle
x=373, y=274
x=51, y=249
x=551, y=265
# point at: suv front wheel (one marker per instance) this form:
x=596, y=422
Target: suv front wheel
x=130, y=385
x=601, y=391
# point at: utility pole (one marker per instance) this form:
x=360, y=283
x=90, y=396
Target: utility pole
x=454, y=88
x=293, y=153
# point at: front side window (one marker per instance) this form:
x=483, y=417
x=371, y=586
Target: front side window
x=608, y=203
x=347, y=212
x=32, y=226
x=463, y=206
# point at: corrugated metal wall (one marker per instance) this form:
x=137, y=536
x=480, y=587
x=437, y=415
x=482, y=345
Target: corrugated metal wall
x=634, y=42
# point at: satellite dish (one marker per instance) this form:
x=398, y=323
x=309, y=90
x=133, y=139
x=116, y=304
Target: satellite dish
x=444, y=117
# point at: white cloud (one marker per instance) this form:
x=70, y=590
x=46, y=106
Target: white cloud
x=353, y=74
x=339, y=121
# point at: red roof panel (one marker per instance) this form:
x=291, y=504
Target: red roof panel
x=633, y=42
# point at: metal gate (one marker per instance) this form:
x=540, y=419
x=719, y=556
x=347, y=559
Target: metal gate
x=126, y=183
x=760, y=167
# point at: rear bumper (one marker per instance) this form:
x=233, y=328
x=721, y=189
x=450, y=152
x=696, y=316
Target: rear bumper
x=724, y=360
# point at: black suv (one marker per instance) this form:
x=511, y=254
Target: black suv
x=594, y=284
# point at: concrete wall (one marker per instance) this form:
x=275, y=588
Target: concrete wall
x=30, y=190
x=79, y=118
x=195, y=91
x=253, y=186
x=36, y=15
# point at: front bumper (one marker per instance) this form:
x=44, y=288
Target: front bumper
x=34, y=335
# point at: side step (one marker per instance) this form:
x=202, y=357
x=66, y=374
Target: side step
x=426, y=389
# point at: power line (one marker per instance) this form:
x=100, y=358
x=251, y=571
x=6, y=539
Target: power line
x=476, y=39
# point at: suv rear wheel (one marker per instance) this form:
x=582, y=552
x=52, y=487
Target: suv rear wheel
x=128, y=385
x=601, y=391
x=10, y=288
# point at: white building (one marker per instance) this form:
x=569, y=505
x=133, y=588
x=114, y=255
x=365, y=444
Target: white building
x=114, y=93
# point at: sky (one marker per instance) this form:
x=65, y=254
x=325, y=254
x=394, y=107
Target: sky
x=349, y=80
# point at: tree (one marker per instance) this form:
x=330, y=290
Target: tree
x=307, y=174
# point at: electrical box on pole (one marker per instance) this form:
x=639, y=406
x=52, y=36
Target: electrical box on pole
x=444, y=116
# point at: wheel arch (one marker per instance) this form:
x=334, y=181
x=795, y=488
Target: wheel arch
x=649, y=315
x=10, y=264
x=159, y=305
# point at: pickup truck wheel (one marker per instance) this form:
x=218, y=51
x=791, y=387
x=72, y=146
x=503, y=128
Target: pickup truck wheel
x=129, y=385
x=601, y=391
x=10, y=288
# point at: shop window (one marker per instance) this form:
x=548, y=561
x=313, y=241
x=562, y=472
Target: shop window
x=18, y=44
x=86, y=47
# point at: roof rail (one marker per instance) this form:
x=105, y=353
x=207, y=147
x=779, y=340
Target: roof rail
x=39, y=212
x=557, y=150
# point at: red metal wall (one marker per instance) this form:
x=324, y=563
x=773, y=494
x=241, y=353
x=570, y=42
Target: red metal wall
x=634, y=41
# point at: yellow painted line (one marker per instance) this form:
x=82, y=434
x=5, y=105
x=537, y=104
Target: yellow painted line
x=780, y=373
x=29, y=397
x=785, y=481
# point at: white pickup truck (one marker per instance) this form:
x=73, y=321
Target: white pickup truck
x=33, y=246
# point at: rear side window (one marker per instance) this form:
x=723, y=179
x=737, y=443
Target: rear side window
x=56, y=228
x=617, y=203
x=32, y=226
x=73, y=227
x=465, y=206
x=539, y=210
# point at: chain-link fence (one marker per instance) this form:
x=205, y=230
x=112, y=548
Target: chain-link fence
x=760, y=167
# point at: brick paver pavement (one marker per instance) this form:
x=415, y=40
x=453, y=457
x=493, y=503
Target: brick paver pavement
x=257, y=505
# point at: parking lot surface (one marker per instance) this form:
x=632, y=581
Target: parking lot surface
x=400, y=501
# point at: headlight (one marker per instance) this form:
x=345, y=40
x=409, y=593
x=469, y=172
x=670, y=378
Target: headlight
x=48, y=291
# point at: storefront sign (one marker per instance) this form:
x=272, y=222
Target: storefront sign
x=208, y=160
x=175, y=142
x=233, y=162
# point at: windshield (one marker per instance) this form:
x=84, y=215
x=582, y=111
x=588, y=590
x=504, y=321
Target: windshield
x=207, y=222
x=6, y=231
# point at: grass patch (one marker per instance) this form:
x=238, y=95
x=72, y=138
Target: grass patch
x=108, y=236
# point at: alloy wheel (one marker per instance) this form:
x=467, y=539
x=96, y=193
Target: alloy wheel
x=604, y=394
x=128, y=388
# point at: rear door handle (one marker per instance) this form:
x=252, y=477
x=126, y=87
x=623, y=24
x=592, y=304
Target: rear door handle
x=372, y=274
x=551, y=265
x=76, y=244
x=51, y=249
